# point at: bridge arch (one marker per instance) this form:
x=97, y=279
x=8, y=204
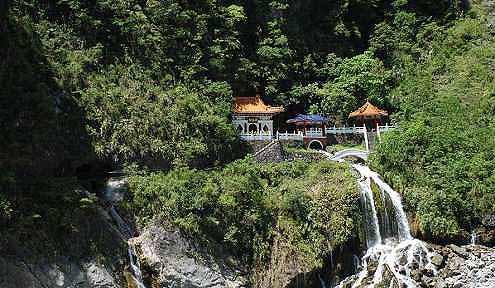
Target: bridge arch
x=316, y=144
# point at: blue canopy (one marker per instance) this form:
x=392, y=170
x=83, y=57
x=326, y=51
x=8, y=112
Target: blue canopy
x=302, y=119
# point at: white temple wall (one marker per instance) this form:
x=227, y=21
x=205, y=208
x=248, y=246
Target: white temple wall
x=262, y=124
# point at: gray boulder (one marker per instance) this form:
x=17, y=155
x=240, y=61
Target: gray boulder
x=176, y=261
x=458, y=250
x=437, y=259
x=474, y=269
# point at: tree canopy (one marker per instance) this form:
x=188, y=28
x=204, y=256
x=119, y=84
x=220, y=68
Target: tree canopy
x=151, y=82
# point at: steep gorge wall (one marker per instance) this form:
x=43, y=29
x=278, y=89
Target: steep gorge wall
x=95, y=259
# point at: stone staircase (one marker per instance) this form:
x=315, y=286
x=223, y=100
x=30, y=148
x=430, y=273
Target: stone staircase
x=272, y=152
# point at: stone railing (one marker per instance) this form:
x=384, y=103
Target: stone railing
x=256, y=136
x=345, y=130
x=298, y=136
x=314, y=132
x=385, y=128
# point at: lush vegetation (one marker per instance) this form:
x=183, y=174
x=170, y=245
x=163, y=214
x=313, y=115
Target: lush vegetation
x=245, y=205
x=443, y=157
x=151, y=82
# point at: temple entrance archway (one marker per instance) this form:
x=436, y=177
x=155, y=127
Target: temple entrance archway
x=253, y=128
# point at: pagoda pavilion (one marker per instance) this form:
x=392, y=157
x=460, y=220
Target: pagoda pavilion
x=253, y=118
x=369, y=115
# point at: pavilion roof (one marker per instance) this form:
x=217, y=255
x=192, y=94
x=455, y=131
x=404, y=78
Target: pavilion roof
x=302, y=119
x=254, y=105
x=368, y=110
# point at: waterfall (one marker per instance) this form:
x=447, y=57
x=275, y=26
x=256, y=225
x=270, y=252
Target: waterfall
x=113, y=194
x=137, y=275
x=394, y=197
x=392, y=255
x=372, y=228
x=474, y=237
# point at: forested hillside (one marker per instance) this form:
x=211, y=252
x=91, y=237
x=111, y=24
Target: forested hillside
x=141, y=80
x=101, y=84
x=443, y=157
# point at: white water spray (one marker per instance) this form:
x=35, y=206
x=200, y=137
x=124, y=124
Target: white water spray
x=392, y=258
x=403, y=225
x=137, y=275
x=372, y=226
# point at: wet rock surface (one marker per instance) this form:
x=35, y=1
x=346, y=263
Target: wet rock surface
x=172, y=260
x=471, y=266
x=467, y=266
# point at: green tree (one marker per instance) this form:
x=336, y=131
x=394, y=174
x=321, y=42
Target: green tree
x=357, y=79
x=131, y=118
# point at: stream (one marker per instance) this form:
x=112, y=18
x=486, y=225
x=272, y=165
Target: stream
x=114, y=189
x=392, y=254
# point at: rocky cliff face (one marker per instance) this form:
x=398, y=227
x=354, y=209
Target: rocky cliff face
x=16, y=272
x=172, y=260
x=26, y=267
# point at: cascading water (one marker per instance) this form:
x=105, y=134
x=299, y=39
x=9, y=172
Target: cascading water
x=113, y=194
x=372, y=227
x=388, y=193
x=474, y=238
x=393, y=255
x=135, y=267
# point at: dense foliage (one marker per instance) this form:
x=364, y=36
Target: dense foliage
x=443, y=157
x=152, y=82
x=244, y=205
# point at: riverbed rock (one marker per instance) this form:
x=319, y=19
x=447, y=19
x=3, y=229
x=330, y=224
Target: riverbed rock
x=474, y=269
x=437, y=259
x=173, y=260
x=458, y=250
x=470, y=266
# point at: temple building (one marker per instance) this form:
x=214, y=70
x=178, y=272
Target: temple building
x=369, y=115
x=253, y=118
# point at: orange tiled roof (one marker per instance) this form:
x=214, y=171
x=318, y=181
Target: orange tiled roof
x=368, y=109
x=254, y=105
